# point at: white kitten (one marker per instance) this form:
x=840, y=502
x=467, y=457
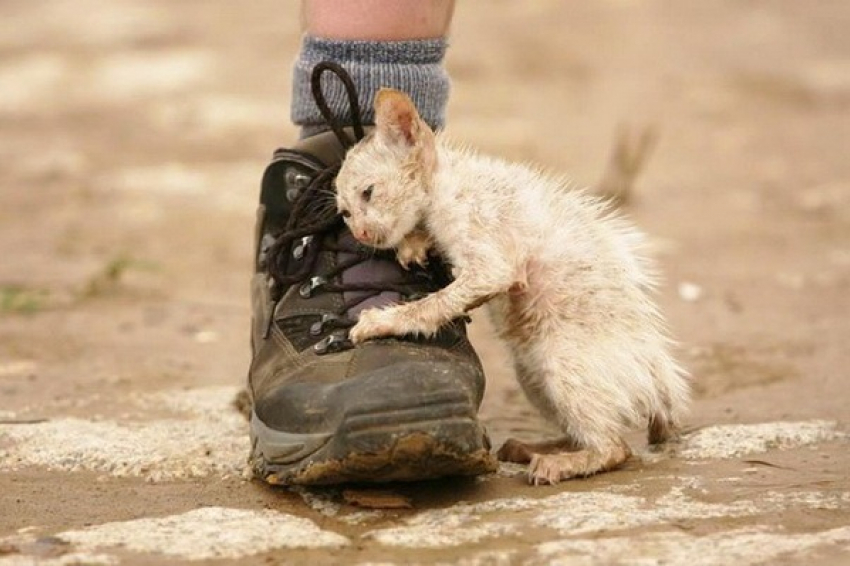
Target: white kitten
x=564, y=279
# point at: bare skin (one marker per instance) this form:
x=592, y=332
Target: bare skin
x=377, y=20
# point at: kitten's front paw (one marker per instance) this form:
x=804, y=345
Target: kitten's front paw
x=374, y=323
x=414, y=249
x=407, y=255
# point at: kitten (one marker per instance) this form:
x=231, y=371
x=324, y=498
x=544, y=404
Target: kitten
x=565, y=281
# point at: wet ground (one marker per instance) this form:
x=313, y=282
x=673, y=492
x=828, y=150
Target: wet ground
x=132, y=139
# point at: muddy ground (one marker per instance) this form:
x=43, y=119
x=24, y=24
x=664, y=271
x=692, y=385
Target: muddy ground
x=132, y=139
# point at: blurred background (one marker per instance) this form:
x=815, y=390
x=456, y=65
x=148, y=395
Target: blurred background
x=133, y=135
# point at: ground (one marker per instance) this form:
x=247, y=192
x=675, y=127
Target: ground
x=133, y=137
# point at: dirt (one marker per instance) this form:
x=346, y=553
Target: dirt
x=133, y=137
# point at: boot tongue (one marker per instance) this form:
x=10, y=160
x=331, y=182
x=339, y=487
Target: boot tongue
x=326, y=148
x=370, y=271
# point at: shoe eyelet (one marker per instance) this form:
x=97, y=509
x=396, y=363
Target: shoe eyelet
x=301, y=248
x=306, y=290
x=296, y=181
x=319, y=326
x=331, y=344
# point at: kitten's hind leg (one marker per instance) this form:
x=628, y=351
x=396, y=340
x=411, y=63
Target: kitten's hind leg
x=587, y=405
x=552, y=468
x=520, y=452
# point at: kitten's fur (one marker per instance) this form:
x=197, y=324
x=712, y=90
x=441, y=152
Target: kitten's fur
x=565, y=281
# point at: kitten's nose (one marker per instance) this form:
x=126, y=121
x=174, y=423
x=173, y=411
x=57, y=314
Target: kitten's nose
x=363, y=235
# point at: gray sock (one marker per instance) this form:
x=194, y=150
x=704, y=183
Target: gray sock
x=413, y=66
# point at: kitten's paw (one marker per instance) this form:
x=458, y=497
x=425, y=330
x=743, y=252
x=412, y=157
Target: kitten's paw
x=542, y=472
x=373, y=323
x=550, y=469
x=414, y=249
x=520, y=452
x=406, y=255
x=515, y=451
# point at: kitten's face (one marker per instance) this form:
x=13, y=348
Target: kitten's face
x=380, y=193
x=383, y=185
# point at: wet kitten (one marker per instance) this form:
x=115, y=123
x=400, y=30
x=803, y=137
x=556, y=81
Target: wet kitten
x=564, y=280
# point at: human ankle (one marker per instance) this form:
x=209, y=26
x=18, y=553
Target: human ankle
x=412, y=66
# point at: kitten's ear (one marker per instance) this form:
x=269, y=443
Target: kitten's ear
x=396, y=117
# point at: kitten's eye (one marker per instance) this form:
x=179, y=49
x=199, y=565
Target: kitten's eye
x=345, y=213
x=367, y=193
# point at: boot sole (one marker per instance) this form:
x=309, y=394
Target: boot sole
x=402, y=444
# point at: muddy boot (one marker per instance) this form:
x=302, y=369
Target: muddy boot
x=324, y=411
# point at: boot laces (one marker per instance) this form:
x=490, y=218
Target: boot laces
x=309, y=230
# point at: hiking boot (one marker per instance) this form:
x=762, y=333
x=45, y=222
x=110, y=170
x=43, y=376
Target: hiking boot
x=323, y=410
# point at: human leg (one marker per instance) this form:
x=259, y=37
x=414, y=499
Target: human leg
x=400, y=45
x=325, y=411
x=377, y=20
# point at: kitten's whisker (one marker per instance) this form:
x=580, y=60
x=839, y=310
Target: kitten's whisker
x=327, y=192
